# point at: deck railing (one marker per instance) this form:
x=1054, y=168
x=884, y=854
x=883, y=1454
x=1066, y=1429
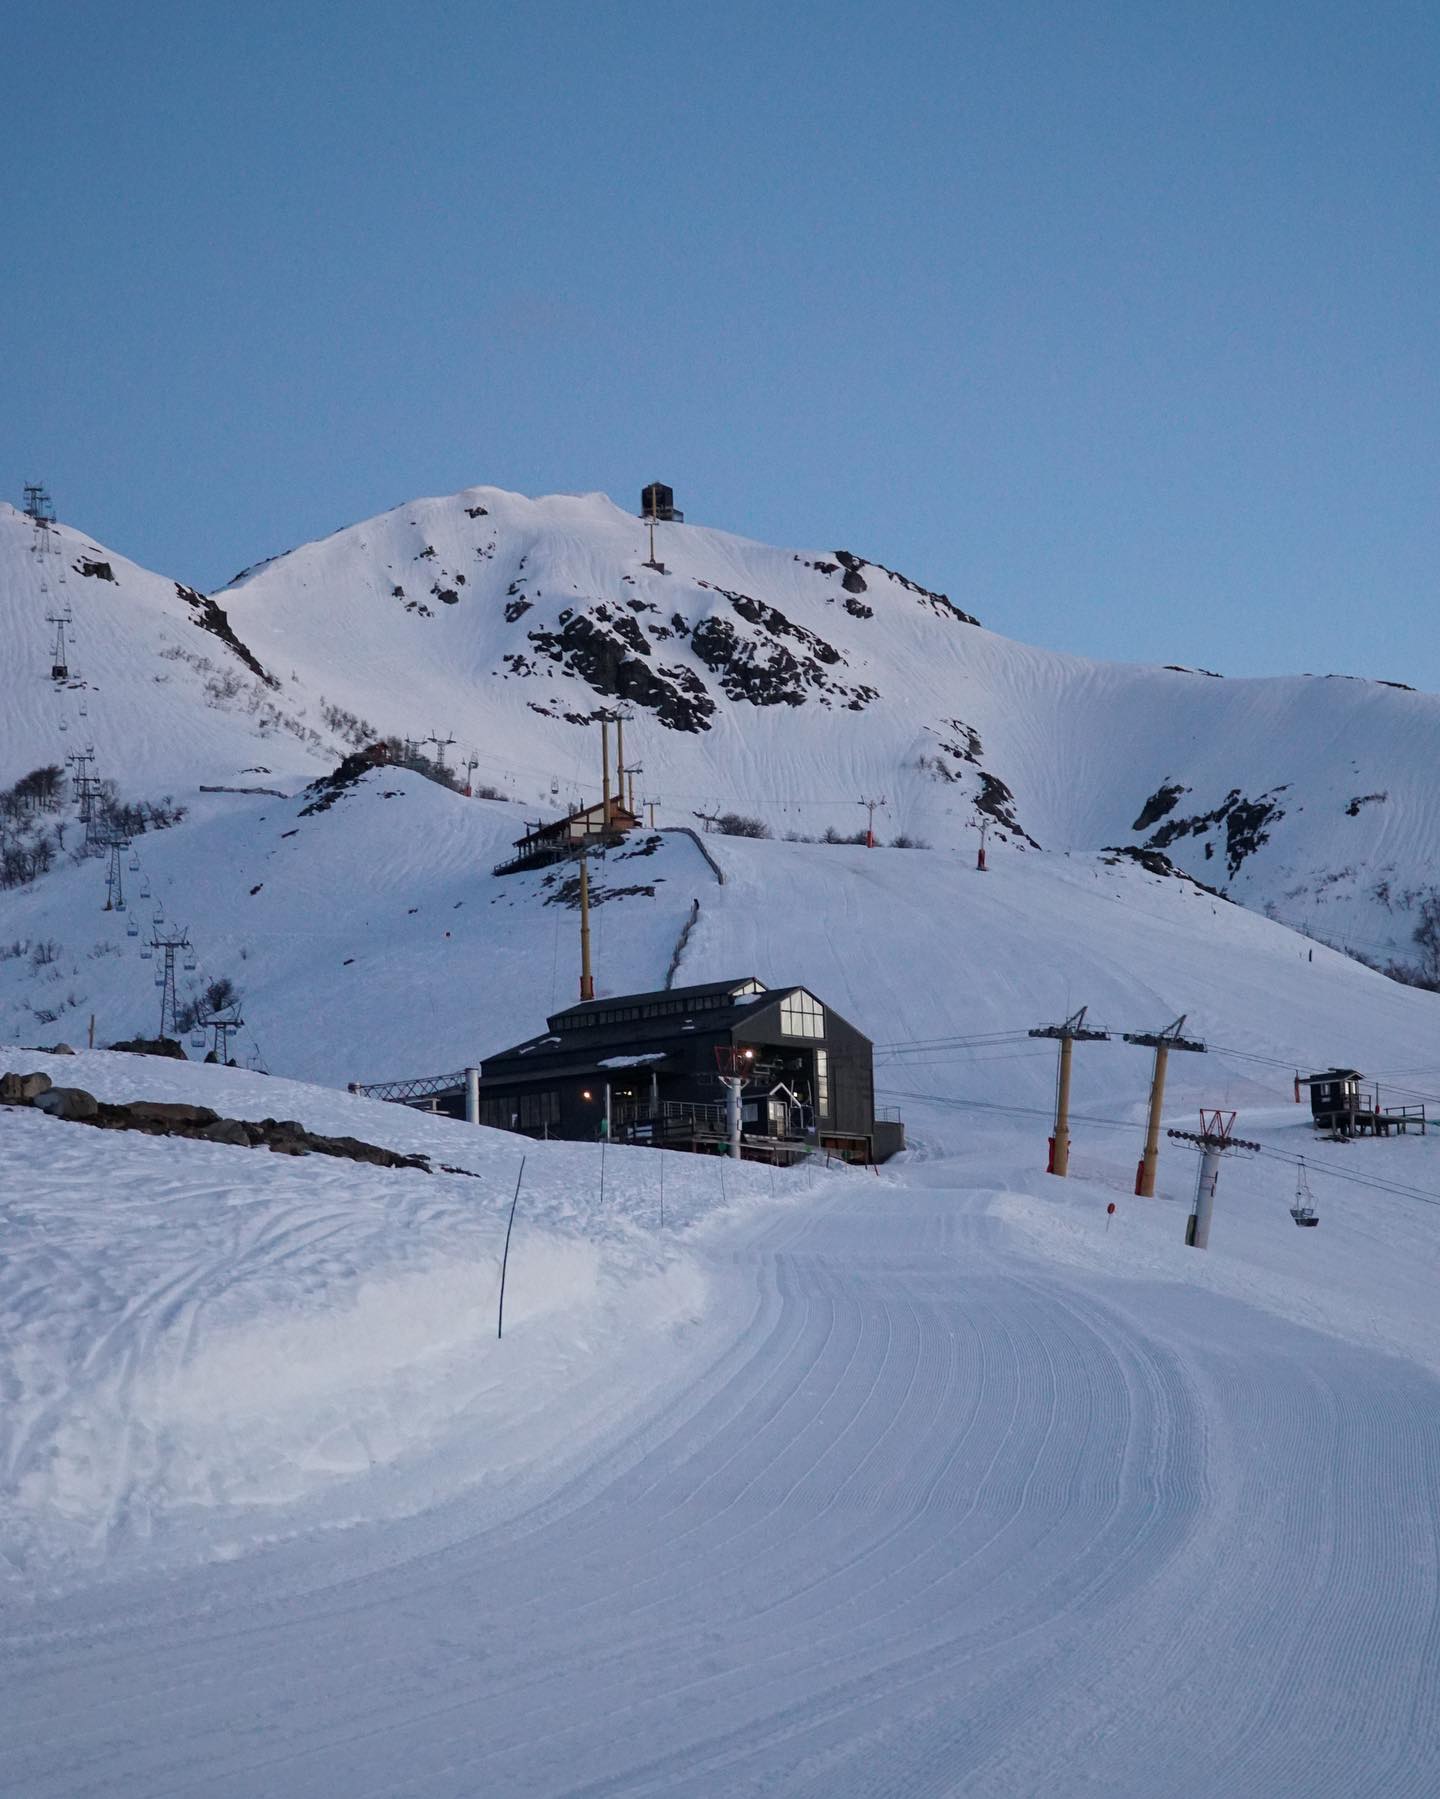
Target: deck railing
x=405, y=1093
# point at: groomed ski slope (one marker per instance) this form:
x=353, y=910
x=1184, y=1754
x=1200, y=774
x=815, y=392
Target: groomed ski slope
x=901, y=1507
x=837, y=1483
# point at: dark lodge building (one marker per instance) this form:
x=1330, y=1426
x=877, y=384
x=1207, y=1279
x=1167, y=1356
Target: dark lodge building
x=644, y=1066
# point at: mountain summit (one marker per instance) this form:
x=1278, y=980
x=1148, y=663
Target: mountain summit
x=785, y=685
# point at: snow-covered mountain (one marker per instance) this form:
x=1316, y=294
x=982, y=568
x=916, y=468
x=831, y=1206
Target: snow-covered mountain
x=787, y=685
x=951, y=1475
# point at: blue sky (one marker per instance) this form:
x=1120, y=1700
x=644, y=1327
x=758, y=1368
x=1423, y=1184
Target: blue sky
x=1116, y=321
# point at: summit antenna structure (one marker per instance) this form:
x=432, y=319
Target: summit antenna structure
x=657, y=505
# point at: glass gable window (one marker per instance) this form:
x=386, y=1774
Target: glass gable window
x=822, y=1083
x=802, y=1016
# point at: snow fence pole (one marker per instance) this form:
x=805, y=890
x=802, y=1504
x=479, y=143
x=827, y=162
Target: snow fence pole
x=505, y=1258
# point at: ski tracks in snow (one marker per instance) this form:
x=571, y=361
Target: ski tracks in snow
x=933, y=1521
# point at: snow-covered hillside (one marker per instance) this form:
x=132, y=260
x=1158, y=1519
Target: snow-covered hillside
x=784, y=684
x=812, y=1482
x=940, y=1478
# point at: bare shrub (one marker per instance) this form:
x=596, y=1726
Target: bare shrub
x=736, y=824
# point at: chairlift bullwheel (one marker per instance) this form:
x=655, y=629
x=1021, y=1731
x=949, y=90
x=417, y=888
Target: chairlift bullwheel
x=1303, y=1211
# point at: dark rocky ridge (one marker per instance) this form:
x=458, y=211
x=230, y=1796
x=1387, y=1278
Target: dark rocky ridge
x=170, y=1118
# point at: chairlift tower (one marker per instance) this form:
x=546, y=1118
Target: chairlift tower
x=441, y=745
x=115, y=874
x=222, y=1027
x=1162, y=1042
x=168, y=945
x=871, y=807
x=735, y=1067
x=44, y=538
x=59, y=663
x=1213, y=1139
x=83, y=780
x=1071, y=1032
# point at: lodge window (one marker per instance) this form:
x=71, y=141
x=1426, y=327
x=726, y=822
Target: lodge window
x=822, y=1083
x=537, y=1109
x=499, y=1114
x=801, y=1016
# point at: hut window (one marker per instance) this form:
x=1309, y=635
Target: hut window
x=822, y=1083
x=801, y=1016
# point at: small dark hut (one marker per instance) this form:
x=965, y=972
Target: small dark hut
x=1340, y=1105
x=657, y=501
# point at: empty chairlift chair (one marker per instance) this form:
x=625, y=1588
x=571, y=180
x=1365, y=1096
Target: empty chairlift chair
x=1303, y=1211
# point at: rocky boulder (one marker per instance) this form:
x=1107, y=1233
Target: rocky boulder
x=23, y=1089
x=153, y=1046
x=73, y=1103
x=171, y=1112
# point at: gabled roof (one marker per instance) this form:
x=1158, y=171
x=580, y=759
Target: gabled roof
x=586, y=1009
x=585, y=1036
x=619, y=814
